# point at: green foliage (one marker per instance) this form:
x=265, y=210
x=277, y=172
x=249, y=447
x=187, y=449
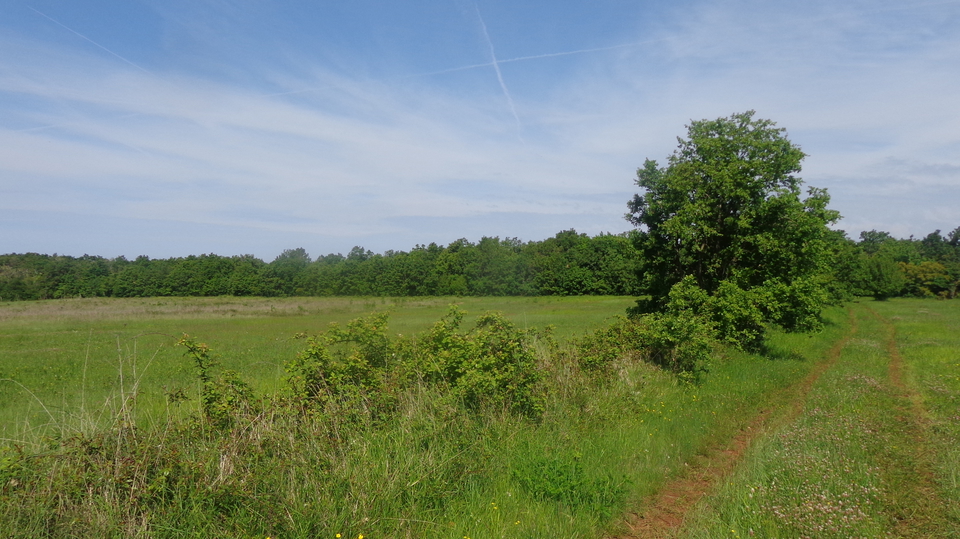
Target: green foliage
x=222, y=396
x=597, y=350
x=724, y=220
x=563, y=479
x=737, y=315
x=575, y=264
x=569, y=264
x=358, y=368
x=492, y=365
x=872, y=240
x=927, y=279
x=883, y=266
x=727, y=207
x=680, y=339
x=882, y=277
x=795, y=306
x=347, y=370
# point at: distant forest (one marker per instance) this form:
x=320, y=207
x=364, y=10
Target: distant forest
x=567, y=264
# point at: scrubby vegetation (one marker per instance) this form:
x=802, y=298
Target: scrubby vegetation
x=457, y=431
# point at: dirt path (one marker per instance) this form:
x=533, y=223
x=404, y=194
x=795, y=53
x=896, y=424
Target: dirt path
x=921, y=511
x=663, y=514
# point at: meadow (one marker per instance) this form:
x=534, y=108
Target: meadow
x=852, y=429
x=70, y=362
x=873, y=451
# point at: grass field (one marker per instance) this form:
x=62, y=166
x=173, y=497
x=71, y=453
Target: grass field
x=847, y=433
x=874, y=451
x=62, y=361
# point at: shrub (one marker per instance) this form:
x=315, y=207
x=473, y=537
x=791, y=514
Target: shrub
x=736, y=316
x=597, y=350
x=491, y=365
x=346, y=369
x=680, y=339
x=221, y=396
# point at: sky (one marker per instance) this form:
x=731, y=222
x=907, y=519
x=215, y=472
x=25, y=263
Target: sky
x=174, y=127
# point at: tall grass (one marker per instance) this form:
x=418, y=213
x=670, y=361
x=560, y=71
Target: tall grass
x=411, y=459
x=68, y=357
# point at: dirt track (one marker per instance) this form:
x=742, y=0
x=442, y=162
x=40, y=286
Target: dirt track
x=663, y=514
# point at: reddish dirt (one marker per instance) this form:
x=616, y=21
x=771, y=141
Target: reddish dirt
x=663, y=514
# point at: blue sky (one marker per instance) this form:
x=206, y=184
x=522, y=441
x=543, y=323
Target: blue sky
x=174, y=127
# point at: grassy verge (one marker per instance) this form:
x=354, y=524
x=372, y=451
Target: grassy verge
x=854, y=463
x=431, y=467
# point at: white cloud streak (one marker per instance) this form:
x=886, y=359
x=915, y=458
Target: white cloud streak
x=78, y=34
x=496, y=68
x=388, y=164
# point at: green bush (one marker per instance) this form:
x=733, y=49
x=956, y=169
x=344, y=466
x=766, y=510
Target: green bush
x=736, y=316
x=680, y=342
x=493, y=364
x=347, y=370
x=795, y=307
x=680, y=339
x=221, y=396
x=599, y=349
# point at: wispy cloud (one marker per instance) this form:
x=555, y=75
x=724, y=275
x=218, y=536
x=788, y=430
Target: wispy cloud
x=331, y=160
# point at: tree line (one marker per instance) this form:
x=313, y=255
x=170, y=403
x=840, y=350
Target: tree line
x=569, y=263
x=885, y=266
x=723, y=234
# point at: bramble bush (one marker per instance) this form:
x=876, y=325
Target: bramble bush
x=426, y=407
x=680, y=339
x=358, y=368
x=223, y=395
x=347, y=371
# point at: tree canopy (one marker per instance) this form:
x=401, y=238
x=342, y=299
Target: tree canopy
x=726, y=213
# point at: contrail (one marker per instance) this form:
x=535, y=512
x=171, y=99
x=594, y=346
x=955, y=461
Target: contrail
x=580, y=51
x=540, y=56
x=496, y=67
x=51, y=19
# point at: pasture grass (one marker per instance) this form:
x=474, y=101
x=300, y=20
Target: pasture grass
x=433, y=469
x=928, y=338
x=70, y=364
x=855, y=463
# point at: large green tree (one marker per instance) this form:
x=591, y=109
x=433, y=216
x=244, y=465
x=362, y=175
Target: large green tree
x=727, y=211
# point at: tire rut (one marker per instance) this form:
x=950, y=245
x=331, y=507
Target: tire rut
x=662, y=515
x=923, y=518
